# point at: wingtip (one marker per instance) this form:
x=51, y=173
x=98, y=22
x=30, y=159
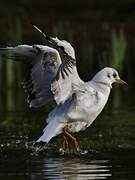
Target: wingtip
x=36, y=28
x=39, y=30
x=5, y=50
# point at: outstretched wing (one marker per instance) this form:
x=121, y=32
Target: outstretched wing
x=67, y=76
x=42, y=64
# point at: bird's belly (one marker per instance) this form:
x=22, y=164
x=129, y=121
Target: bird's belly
x=77, y=126
x=83, y=116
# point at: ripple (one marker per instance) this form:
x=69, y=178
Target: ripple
x=75, y=169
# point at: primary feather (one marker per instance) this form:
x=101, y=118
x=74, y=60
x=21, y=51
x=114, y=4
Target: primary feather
x=42, y=66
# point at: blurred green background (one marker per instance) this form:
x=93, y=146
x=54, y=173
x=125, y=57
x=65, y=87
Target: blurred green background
x=102, y=33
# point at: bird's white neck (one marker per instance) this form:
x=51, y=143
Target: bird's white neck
x=103, y=87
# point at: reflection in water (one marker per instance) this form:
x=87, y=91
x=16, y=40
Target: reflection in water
x=117, y=165
x=72, y=169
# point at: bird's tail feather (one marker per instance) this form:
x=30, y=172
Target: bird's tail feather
x=52, y=129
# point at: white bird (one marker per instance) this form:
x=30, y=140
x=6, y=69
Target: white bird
x=78, y=103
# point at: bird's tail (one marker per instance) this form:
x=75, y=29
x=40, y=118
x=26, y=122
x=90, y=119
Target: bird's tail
x=51, y=130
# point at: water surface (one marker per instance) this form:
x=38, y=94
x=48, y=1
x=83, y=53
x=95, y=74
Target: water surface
x=114, y=165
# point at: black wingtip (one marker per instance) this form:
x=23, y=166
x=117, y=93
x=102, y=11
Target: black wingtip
x=48, y=38
x=37, y=28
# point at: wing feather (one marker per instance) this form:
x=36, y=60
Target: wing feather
x=42, y=64
x=67, y=76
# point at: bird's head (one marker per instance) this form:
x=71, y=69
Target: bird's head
x=108, y=76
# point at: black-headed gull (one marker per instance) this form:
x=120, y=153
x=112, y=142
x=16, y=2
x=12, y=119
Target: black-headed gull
x=77, y=103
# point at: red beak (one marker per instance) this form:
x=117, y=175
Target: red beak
x=120, y=81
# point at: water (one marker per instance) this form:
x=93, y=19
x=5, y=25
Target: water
x=90, y=28
x=112, y=155
x=109, y=165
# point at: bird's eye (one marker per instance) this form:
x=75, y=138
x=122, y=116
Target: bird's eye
x=114, y=75
x=108, y=75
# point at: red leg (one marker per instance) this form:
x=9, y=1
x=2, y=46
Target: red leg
x=65, y=142
x=74, y=139
x=71, y=137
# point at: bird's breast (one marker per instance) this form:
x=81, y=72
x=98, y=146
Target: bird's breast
x=88, y=107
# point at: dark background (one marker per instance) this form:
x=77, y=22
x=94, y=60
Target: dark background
x=102, y=33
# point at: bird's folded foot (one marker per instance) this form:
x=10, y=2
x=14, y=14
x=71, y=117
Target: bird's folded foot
x=39, y=146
